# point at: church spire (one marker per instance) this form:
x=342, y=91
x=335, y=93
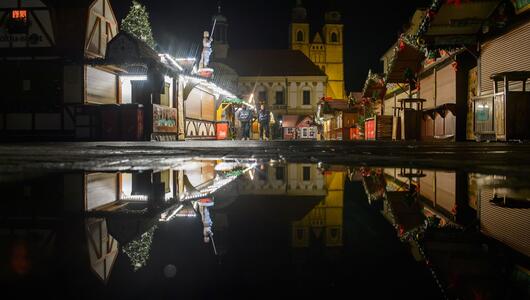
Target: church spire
x=299, y=12
x=220, y=34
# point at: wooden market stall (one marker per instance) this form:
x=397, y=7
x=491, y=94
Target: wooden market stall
x=148, y=107
x=376, y=127
x=506, y=114
x=339, y=119
x=403, y=69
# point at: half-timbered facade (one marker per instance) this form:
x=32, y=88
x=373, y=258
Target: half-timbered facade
x=43, y=45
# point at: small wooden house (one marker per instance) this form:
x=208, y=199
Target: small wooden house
x=299, y=127
x=339, y=120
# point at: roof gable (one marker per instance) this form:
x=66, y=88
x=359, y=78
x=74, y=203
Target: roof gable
x=305, y=122
x=318, y=39
x=126, y=47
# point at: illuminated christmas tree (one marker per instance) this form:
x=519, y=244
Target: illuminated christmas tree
x=137, y=23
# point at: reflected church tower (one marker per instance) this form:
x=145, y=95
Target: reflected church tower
x=323, y=223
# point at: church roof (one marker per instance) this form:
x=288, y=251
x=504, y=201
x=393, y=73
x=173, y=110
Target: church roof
x=271, y=63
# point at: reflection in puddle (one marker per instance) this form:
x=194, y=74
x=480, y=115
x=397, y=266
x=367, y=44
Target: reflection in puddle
x=252, y=224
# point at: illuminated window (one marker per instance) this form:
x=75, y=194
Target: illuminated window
x=18, y=23
x=334, y=37
x=280, y=98
x=299, y=36
x=307, y=97
x=262, y=96
x=306, y=173
x=19, y=15
x=263, y=175
x=280, y=173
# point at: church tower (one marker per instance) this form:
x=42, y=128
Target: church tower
x=333, y=35
x=220, y=35
x=325, y=49
x=299, y=31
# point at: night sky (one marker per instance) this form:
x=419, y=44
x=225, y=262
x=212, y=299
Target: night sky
x=371, y=27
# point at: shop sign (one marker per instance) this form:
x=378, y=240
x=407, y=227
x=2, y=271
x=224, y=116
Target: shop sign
x=33, y=39
x=164, y=119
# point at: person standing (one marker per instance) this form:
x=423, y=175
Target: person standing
x=245, y=117
x=264, y=118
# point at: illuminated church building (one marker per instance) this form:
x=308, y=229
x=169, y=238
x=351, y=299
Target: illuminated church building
x=325, y=49
x=290, y=82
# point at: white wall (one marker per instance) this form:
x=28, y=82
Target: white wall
x=293, y=88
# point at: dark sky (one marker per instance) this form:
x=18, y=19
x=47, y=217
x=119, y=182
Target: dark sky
x=371, y=27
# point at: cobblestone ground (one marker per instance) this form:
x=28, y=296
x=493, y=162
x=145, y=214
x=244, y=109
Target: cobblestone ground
x=499, y=158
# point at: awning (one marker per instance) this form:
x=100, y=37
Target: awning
x=458, y=25
x=330, y=107
x=511, y=76
x=407, y=58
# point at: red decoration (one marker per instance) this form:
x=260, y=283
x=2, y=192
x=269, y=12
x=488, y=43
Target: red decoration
x=455, y=2
x=206, y=200
x=401, y=230
x=454, y=210
x=455, y=66
x=431, y=13
x=401, y=45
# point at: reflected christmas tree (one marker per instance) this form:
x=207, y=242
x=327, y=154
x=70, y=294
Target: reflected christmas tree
x=139, y=249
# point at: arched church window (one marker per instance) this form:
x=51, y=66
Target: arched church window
x=334, y=37
x=299, y=36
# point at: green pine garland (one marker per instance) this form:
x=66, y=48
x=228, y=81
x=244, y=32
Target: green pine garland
x=234, y=173
x=137, y=23
x=233, y=101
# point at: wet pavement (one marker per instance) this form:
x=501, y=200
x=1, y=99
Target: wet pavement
x=203, y=220
x=505, y=158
